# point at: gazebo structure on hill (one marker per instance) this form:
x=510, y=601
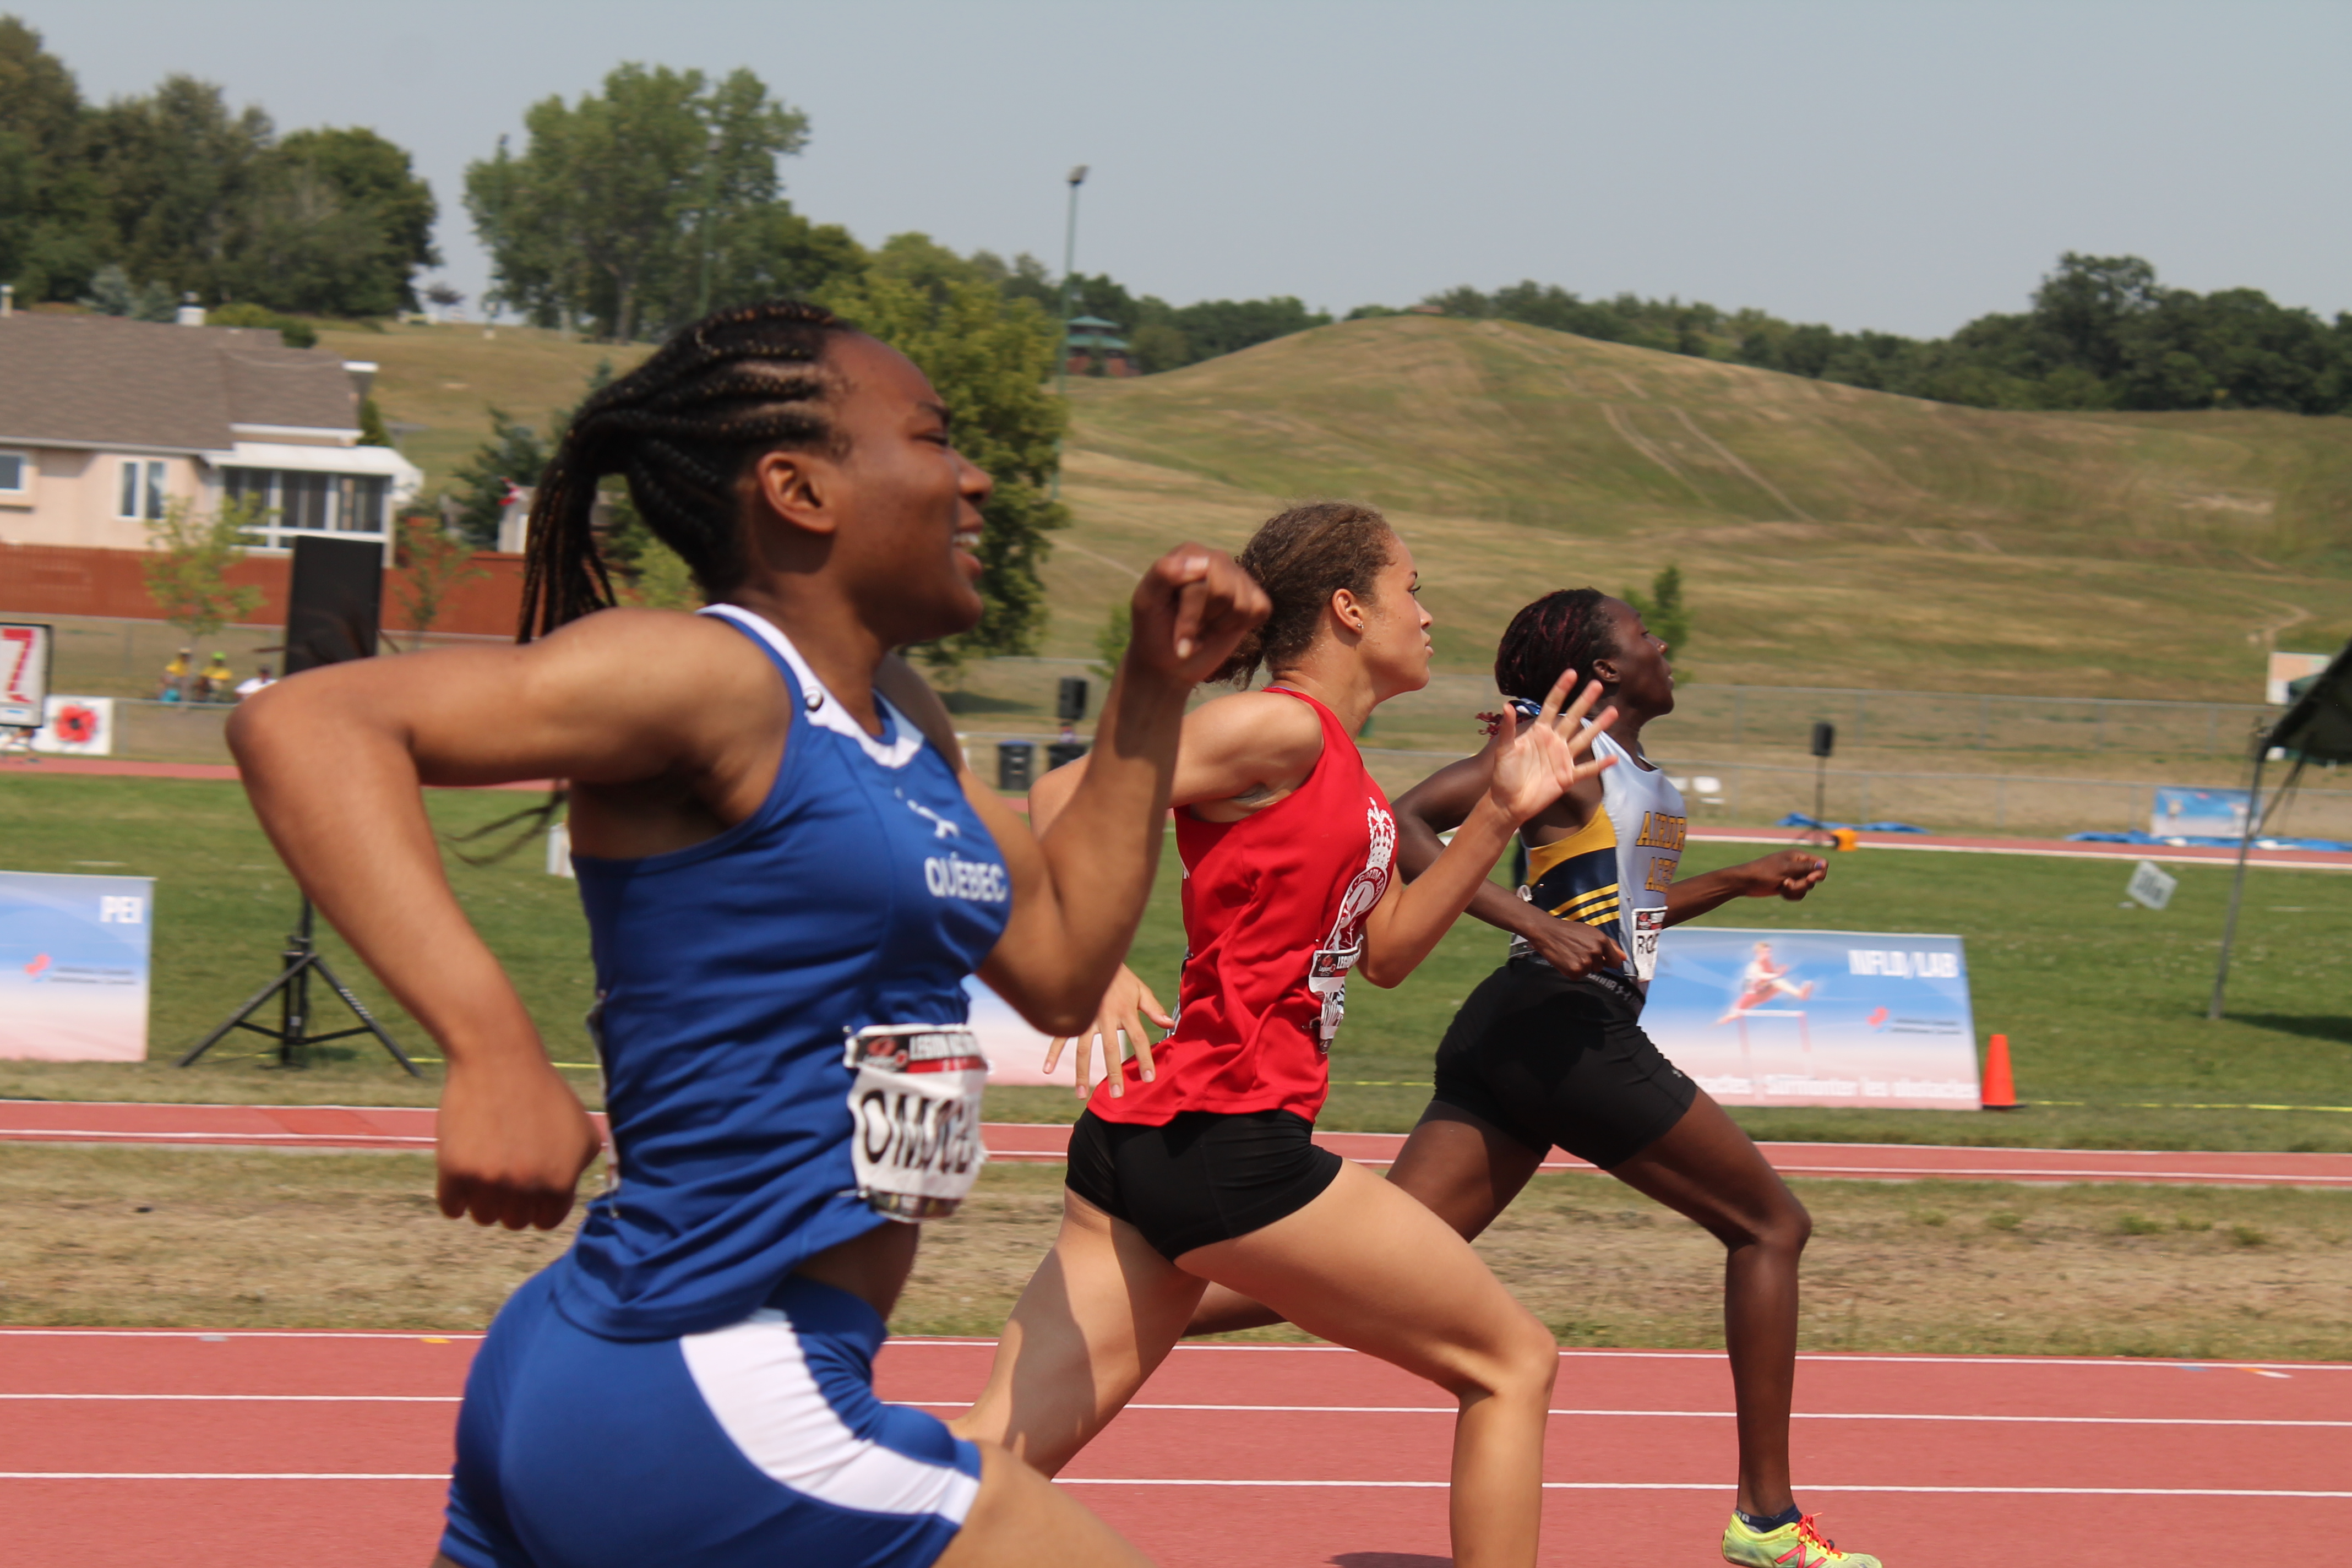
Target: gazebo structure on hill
x=1095, y=348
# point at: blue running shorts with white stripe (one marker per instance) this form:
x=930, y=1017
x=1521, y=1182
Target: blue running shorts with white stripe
x=758, y=1443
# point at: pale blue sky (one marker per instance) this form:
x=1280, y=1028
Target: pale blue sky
x=1901, y=165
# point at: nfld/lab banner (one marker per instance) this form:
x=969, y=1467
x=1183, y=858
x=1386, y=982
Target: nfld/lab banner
x=1816, y=1018
x=73, y=966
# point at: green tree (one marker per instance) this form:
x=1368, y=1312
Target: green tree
x=1111, y=640
x=991, y=358
x=333, y=223
x=608, y=212
x=514, y=457
x=48, y=233
x=187, y=562
x=111, y=294
x=1662, y=611
x=174, y=171
x=436, y=565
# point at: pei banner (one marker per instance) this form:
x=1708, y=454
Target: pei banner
x=1816, y=1018
x=73, y=966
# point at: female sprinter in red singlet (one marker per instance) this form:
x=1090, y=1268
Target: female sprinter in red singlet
x=788, y=873
x=1204, y=1169
x=1550, y=1049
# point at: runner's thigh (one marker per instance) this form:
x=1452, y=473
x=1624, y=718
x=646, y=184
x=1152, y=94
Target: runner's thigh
x=1366, y=1266
x=1022, y=1520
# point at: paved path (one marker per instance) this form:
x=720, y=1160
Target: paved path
x=410, y=1128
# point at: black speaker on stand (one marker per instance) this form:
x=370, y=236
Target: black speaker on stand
x=1825, y=742
x=333, y=610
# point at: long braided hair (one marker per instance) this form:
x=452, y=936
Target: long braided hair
x=680, y=428
x=1301, y=557
x=1566, y=630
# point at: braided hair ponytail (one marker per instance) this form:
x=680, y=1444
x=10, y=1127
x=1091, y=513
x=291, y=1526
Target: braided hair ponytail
x=1566, y=630
x=680, y=428
x=1301, y=558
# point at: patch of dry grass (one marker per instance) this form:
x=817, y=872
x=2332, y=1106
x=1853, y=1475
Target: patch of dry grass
x=192, y=1238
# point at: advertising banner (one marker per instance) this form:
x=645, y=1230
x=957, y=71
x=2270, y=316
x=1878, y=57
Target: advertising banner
x=2183, y=813
x=1016, y=1051
x=1816, y=1018
x=24, y=653
x=76, y=727
x=73, y=966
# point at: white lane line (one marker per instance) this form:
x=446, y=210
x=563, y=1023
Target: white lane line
x=441, y=1476
x=1717, y=1486
x=1662, y=1414
x=414, y=1337
x=2280, y=1368
x=1714, y=1486
x=87, y=1135
x=260, y=1398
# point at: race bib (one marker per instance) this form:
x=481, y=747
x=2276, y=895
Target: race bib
x=915, y=1107
x=1327, y=977
x=1648, y=925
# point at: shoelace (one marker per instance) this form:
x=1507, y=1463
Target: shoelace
x=1808, y=1536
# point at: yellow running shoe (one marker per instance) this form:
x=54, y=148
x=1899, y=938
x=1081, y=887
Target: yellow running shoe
x=1797, y=1545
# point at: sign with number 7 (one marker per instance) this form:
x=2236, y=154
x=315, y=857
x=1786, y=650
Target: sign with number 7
x=24, y=674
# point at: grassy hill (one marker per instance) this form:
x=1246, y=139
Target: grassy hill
x=1829, y=536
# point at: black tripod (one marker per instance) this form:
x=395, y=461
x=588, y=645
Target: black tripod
x=292, y=989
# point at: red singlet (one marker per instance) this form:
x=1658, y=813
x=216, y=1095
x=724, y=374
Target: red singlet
x=1274, y=919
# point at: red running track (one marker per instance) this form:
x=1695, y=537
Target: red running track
x=410, y=1128
x=252, y=1450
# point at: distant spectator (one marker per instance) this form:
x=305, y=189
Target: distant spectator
x=260, y=678
x=217, y=679
x=176, y=677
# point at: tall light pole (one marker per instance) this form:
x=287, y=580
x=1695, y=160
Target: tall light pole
x=1069, y=279
x=1069, y=273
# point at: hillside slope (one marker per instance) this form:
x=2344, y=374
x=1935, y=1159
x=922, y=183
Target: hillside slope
x=1831, y=535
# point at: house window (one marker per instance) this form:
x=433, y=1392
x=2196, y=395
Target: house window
x=291, y=501
x=142, y=489
x=15, y=473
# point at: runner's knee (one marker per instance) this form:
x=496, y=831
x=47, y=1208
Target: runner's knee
x=1520, y=1362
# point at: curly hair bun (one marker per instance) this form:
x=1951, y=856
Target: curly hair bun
x=1301, y=558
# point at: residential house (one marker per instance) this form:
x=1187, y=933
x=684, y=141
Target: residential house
x=104, y=422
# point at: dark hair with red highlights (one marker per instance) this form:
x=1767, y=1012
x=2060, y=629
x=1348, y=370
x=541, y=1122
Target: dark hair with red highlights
x=1301, y=558
x=1565, y=629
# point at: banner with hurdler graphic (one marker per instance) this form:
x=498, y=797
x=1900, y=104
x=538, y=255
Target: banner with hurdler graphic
x=1816, y=1018
x=73, y=966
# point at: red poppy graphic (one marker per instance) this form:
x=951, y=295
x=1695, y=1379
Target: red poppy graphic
x=1877, y=1017
x=76, y=725
x=40, y=963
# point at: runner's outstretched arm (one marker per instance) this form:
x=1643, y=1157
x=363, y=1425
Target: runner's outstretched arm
x=1528, y=767
x=1079, y=883
x=1439, y=804
x=1789, y=874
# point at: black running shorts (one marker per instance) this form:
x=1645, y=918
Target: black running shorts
x=1554, y=1060
x=1204, y=1176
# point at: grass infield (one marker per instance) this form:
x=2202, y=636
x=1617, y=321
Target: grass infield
x=2104, y=1005
x=203, y=1238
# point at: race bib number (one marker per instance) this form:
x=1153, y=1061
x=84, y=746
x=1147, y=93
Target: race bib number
x=1327, y=977
x=1648, y=925
x=915, y=1108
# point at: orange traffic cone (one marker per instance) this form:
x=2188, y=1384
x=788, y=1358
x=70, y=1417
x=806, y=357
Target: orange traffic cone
x=2000, y=1090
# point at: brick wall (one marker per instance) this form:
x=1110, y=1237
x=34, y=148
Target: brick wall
x=65, y=580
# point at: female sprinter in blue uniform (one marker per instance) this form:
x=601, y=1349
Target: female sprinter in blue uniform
x=786, y=882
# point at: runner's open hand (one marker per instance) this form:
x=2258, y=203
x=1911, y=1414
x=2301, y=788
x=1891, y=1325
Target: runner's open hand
x=512, y=1141
x=1124, y=1008
x=1190, y=610
x=1534, y=764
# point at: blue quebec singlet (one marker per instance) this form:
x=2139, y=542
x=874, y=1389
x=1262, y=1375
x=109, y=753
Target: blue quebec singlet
x=730, y=976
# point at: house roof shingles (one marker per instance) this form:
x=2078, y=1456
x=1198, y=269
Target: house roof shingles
x=97, y=381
